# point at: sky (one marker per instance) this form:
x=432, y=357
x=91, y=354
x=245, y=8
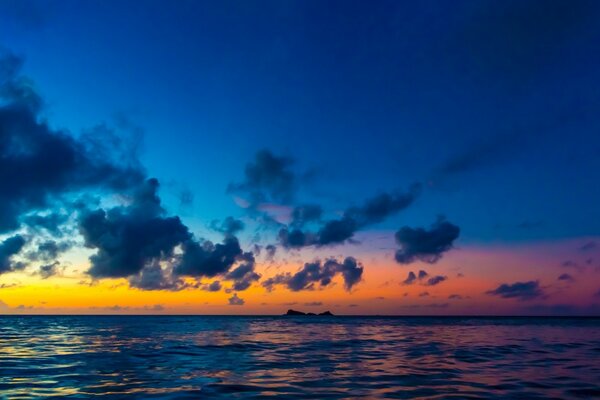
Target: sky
x=401, y=158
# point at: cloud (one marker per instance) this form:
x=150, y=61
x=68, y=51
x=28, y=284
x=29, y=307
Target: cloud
x=519, y=290
x=186, y=198
x=338, y=231
x=455, y=297
x=487, y=152
x=51, y=163
x=50, y=222
x=318, y=273
x=566, y=277
x=571, y=264
x=214, y=286
x=229, y=226
x=302, y=215
x=419, y=244
x=235, y=300
x=410, y=279
x=48, y=250
x=378, y=208
x=588, y=246
x=279, y=279
x=206, y=259
x=48, y=270
x=423, y=278
x=268, y=178
x=243, y=275
x=154, y=251
x=436, y=280
x=9, y=248
x=270, y=250
x=127, y=238
x=153, y=277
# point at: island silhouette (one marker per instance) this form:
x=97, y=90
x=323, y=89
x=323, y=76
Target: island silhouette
x=295, y=312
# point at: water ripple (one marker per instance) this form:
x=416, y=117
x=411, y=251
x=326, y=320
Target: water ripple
x=298, y=358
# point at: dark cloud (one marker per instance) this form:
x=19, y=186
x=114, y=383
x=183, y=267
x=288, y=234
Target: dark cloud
x=424, y=278
x=455, y=297
x=318, y=273
x=48, y=270
x=268, y=179
x=436, y=280
x=337, y=231
x=133, y=240
x=270, y=250
x=243, y=275
x=588, y=246
x=302, y=215
x=566, y=277
x=410, y=279
x=419, y=244
x=236, y=301
x=50, y=163
x=378, y=208
x=519, y=290
x=153, y=277
x=279, y=279
x=487, y=152
x=9, y=248
x=295, y=238
x=214, y=286
x=206, y=259
x=186, y=198
x=51, y=222
x=48, y=250
x=351, y=272
x=569, y=264
x=229, y=226
x=130, y=237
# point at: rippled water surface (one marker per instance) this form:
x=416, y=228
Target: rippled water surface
x=298, y=357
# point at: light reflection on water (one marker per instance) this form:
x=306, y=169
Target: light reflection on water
x=298, y=357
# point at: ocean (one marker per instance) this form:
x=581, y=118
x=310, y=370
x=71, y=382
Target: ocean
x=232, y=357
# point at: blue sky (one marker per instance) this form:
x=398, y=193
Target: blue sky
x=370, y=97
x=280, y=109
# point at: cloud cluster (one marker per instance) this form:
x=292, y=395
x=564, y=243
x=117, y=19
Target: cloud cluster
x=424, y=279
x=50, y=163
x=267, y=179
x=135, y=239
x=229, y=226
x=9, y=248
x=64, y=182
x=519, y=290
x=127, y=238
x=236, y=301
x=426, y=245
x=338, y=231
x=319, y=274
